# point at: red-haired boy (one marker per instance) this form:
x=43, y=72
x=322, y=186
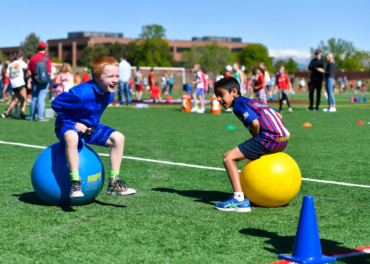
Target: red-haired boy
x=79, y=111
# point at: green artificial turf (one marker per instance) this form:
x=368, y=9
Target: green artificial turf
x=172, y=218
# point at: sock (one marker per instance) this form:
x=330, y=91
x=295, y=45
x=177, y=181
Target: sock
x=113, y=174
x=239, y=196
x=75, y=176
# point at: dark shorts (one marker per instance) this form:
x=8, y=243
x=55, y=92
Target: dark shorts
x=252, y=149
x=99, y=137
x=19, y=88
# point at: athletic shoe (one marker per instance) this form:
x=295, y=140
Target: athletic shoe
x=290, y=110
x=118, y=187
x=5, y=115
x=326, y=110
x=332, y=110
x=316, y=108
x=280, y=111
x=201, y=111
x=234, y=205
x=194, y=109
x=310, y=108
x=229, y=110
x=44, y=120
x=23, y=116
x=76, y=189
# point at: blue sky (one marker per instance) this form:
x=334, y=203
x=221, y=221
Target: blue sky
x=283, y=26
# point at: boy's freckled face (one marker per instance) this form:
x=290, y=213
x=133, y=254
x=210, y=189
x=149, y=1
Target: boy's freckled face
x=109, y=79
x=224, y=97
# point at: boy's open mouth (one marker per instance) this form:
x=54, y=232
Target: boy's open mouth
x=113, y=86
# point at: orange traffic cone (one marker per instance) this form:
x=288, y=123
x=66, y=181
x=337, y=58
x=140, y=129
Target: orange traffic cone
x=307, y=124
x=186, y=103
x=215, y=106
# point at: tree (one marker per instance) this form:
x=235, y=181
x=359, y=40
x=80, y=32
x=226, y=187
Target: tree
x=153, y=32
x=3, y=57
x=30, y=45
x=289, y=64
x=90, y=53
x=253, y=54
x=56, y=60
x=153, y=52
x=212, y=57
x=117, y=49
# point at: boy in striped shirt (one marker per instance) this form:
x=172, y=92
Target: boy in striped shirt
x=265, y=125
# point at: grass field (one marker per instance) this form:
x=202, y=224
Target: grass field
x=172, y=218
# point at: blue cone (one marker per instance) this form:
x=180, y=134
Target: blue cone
x=272, y=97
x=359, y=99
x=307, y=246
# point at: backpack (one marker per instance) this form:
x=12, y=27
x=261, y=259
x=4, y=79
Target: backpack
x=41, y=72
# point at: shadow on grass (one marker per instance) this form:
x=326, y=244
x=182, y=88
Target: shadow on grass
x=284, y=244
x=32, y=198
x=207, y=197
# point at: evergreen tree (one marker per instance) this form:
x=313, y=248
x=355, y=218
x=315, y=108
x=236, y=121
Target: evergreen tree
x=30, y=45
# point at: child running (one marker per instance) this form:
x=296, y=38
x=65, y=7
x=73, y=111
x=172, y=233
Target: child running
x=79, y=111
x=265, y=125
x=284, y=84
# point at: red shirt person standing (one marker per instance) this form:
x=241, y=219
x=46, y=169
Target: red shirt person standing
x=40, y=84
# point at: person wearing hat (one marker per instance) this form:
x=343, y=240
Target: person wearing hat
x=316, y=79
x=228, y=69
x=39, y=90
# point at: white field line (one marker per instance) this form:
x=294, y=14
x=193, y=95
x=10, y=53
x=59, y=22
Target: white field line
x=185, y=165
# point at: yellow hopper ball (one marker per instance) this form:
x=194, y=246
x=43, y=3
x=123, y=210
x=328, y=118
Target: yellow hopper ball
x=271, y=181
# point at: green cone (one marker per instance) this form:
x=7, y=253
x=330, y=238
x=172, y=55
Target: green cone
x=230, y=127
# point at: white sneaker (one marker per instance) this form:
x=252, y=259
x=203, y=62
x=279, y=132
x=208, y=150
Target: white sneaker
x=290, y=110
x=326, y=109
x=229, y=110
x=200, y=111
x=332, y=110
x=194, y=109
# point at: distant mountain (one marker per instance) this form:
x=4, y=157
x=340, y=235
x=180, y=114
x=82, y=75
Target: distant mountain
x=302, y=58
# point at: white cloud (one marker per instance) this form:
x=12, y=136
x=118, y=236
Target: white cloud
x=301, y=57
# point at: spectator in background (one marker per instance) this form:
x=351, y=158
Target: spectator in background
x=1, y=82
x=151, y=78
x=353, y=87
x=329, y=81
x=359, y=83
x=285, y=87
x=199, y=90
x=205, y=79
x=85, y=75
x=244, y=91
x=16, y=75
x=170, y=83
x=345, y=83
x=155, y=94
x=363, y=86
x=292, y=81
x=272, y=83
x=139, y=84
x=228, y=69
x=239, y=76
x=316, y=79
x=164, y=84
x=302, y=84
x=253, y=80
x=259, y=86
x=124, y=77
x=6, y=83
x=39, y=90
x=65, y=77
x=77, y=79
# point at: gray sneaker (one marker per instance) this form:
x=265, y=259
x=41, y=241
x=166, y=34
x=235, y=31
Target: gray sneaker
x=76, y=189
x=44, y=120
x=118, y=187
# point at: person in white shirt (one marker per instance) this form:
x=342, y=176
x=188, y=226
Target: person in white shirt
x=302, y=83
x=199, y=90
x=15, y=74
x=124, y=77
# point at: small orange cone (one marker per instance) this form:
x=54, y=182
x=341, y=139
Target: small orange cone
x=360, y=122
x=307, y=124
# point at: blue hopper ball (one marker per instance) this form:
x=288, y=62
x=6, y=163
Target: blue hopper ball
x=51, y=180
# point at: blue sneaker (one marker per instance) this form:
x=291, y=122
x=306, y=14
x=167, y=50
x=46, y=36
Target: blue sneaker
x=234, y=205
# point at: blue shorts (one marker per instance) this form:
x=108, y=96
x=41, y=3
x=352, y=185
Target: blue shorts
x=99, y=137
x=252, y=149
x=199, y=91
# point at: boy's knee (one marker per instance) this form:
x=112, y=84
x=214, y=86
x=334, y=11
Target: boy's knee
x=71, y=137
x=118, y=138
x=225, y=157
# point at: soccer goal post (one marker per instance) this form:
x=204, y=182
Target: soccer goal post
x=182, y=70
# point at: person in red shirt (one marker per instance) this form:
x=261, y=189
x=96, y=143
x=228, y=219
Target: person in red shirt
x=259, y=86
x=151, y=78
x=285, y=87
x=155, y=94
x=85, y=76
x=228, y=69
x=353, y=87
x=39, y=90
x=77, y=79
x=6, y=83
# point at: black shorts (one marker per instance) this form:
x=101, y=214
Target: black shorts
x=252, y=149
x=19, y=88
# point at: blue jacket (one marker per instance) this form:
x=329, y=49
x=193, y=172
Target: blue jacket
x=83, y=103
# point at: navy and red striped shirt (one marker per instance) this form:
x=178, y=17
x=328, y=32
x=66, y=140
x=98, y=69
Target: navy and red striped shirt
x=273, y=133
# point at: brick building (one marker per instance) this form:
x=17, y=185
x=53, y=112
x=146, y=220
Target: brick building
x=70, y=49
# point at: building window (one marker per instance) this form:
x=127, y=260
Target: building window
x=53, y=49
x=237, y=50
x=81, y=47
x=67, y=48
x=182, y=49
